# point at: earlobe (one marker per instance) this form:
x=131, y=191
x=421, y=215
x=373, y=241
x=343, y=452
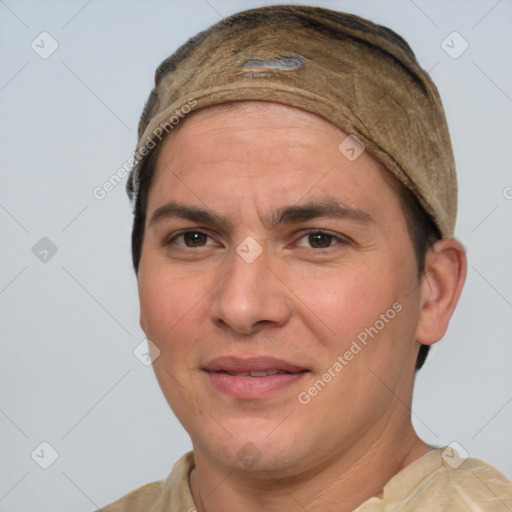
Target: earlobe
x=445, y=273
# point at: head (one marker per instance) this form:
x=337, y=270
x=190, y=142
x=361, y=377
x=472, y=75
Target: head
x=257, y=239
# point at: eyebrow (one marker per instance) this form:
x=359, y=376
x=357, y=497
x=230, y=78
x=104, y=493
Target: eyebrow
x=328, y=208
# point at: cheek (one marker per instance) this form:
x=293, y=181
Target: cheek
x=168, y=314
x=367, y=303
x=173, y=312
x=154, y=299
x=163, y=301
x=343, y=301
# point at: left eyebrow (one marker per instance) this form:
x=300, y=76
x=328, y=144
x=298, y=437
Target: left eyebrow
x=328, y=207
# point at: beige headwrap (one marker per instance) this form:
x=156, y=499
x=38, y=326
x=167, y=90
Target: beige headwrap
x=362, y=77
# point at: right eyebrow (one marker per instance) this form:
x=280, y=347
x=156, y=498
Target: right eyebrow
x=194, y=214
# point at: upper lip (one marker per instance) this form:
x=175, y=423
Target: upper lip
x=251, y=364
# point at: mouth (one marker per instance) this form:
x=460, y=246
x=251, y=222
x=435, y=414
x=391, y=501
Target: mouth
x=252, y=377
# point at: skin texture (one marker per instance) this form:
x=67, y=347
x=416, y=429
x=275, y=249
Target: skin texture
x=303, y=299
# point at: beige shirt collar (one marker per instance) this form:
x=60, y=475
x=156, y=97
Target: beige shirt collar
x=437, y=480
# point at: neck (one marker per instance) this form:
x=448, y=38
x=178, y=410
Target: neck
x=340, y=484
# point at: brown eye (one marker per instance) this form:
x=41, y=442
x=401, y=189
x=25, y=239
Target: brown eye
x=320, y=240
x=194, y=238
x=189, y=239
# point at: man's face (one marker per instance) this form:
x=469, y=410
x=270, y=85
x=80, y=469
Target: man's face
x=300, y=263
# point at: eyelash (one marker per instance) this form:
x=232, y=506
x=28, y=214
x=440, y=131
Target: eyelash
x=340, y=240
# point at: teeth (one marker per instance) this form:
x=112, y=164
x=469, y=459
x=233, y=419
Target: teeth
x=256, y=374
x=262, y=374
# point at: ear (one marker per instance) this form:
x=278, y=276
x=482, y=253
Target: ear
x=445, y=273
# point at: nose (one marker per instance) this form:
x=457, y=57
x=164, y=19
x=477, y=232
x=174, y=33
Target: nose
x=249, y=297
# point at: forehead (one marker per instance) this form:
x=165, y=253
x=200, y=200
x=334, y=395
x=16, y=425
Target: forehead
x=264, y=145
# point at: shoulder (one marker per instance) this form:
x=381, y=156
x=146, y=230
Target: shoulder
x=142, y=498
x=444, y=481
x=475, y=485
x=172, y=494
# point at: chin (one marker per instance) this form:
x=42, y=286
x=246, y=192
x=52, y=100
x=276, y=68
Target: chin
x=253, y=452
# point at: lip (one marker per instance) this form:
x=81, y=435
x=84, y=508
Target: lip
x=251, y=364
x=252, y=388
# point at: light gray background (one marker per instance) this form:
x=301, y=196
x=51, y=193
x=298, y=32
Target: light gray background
x=68, y=375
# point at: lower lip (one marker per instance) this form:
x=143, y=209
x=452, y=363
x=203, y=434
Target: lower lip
x=247, y=388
